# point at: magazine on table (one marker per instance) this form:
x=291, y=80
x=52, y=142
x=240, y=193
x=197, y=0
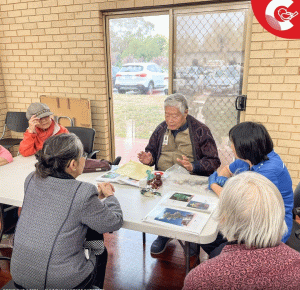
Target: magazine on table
x=112, y=176
x=191, y=202
x=186, y=211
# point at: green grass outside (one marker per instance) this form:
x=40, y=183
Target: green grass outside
x=147, y=111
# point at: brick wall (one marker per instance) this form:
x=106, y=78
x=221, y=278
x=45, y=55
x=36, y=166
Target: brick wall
x=3, y=108
x=273, y=93
x=56, y=48
x=3, y=103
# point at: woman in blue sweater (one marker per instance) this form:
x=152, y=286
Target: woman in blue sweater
x=253, y=150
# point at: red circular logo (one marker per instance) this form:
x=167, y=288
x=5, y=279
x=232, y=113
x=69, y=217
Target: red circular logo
x=279, y=17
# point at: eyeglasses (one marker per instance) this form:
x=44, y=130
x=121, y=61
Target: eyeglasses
x=84, y=155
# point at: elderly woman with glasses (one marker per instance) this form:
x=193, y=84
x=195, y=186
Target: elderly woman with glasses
x=251, y=216
x=60, y=218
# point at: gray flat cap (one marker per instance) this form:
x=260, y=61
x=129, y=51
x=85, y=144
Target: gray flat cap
x=39, y=109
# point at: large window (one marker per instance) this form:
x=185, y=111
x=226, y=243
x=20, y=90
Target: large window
x=206, y=64
x=139, y=50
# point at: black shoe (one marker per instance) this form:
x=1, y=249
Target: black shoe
x=159, y=245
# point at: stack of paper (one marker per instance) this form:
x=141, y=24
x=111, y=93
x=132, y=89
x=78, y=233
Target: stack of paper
x=134, y=170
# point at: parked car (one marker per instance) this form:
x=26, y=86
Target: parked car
x=141, y=77
x=226, y=79
x=189, y=79
x=114, y=71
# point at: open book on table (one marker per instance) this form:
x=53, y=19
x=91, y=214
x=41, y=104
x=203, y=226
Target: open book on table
x=191, y=202
x=112, y=176
x=184, y=211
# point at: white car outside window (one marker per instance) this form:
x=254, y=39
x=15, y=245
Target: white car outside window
x=139, y=77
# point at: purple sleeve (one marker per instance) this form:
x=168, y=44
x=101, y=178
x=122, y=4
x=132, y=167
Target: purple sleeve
x=209, y=161
x=206, y=159
x=154, y=145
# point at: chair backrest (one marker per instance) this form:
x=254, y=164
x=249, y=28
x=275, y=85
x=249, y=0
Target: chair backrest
x=86, y=135
x=16, y=121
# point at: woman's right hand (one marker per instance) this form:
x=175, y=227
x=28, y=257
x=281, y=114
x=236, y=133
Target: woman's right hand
x=33, y=121
x=105, y=189
x=145, y=157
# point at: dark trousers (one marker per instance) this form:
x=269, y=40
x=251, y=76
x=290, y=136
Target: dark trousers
x=214, y=249
x=10, y=219
x=96, y=278
x=101, y=261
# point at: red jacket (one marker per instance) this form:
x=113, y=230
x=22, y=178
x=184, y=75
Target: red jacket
x=33, y=142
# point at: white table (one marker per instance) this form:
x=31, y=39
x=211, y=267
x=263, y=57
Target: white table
x=135, y=206
x=12, y=177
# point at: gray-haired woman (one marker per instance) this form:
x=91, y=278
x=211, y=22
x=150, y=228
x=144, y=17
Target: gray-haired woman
x=251, y=216
x=59, y=215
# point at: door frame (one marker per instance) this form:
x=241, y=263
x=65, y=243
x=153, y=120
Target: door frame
x=173, y=11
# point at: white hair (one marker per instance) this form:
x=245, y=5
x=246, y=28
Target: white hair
x=251, y=211
x=177, y=100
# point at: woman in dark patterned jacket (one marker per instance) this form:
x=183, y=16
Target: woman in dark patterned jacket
x=180, y=139
x=251, y=216
x=60, y=218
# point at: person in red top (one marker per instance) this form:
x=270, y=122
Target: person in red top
x=41, y=127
